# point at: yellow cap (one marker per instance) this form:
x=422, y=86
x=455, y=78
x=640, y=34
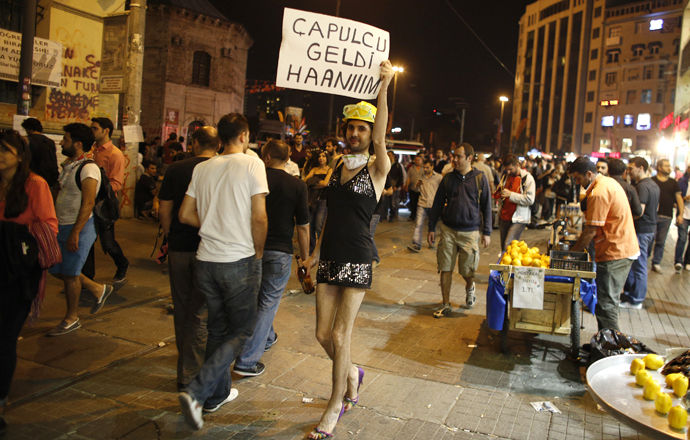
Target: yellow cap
x=362, y=111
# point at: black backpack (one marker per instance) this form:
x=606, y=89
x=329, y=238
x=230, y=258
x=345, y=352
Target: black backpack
x=107, y=208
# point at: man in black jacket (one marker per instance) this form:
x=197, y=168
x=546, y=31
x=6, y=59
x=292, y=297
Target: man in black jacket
x=465, y=194
x=616, y=169
x=43, y=153
x=397, y=178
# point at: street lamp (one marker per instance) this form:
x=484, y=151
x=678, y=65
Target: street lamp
x=503, y=100
x=397, y=70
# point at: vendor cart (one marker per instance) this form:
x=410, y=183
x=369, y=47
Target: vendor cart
x=561, y=314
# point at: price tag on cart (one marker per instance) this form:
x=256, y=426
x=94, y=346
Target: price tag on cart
x=528, y=288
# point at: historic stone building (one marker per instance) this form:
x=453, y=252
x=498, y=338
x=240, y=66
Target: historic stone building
x=195, y=63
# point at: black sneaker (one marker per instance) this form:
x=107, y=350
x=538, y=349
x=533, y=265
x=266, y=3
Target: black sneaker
x=271, y=344
x=256, y=370
x=120, y=274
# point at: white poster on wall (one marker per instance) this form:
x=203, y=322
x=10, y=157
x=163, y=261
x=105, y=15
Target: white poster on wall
x=321, y=53
x=47, y=62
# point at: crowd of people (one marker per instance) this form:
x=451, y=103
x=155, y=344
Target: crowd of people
x=233, y=218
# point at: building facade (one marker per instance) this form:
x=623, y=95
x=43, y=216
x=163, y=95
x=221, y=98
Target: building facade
x=551, y=82
x=195, y=64
x=632, y=80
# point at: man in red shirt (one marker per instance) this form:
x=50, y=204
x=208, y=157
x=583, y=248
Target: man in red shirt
x=111, y=159
x=517, y=190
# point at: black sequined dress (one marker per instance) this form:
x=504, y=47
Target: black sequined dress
x=347, y=249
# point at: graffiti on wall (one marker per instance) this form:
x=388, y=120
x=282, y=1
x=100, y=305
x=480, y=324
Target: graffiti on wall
x=77, y=99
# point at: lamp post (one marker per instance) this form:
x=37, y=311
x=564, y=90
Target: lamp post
x=503, y=100
x=397, y=70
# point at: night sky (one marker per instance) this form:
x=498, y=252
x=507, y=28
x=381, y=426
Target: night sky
x=441, y=57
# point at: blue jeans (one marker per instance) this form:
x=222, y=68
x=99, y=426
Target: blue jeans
x=372, y=229
x=662, y=226
x=275, y=273
x=680, y=244
x=318, y=217
x=231, y=291
x=635, y=288
x=422, y=214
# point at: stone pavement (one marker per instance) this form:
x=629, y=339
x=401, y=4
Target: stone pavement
x=425, y=378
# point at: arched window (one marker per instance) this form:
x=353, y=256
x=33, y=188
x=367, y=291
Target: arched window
x=201, y=68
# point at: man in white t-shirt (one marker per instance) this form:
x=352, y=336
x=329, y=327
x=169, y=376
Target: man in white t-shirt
x=226, y=201
x=79, y=181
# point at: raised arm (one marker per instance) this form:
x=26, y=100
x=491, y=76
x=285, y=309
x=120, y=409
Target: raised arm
x=383, y=163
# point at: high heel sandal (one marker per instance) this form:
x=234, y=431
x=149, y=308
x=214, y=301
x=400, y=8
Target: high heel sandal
x=317, y=434
x=348, y=403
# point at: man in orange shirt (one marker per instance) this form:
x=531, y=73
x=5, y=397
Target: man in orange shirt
x=610, y=225
x=111, y=159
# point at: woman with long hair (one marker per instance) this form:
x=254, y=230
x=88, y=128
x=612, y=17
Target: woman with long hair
x=311, y=162
x=25, y=198
x=317, y=180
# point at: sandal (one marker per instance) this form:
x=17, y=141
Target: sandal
x=317, y=434
x=348, y=403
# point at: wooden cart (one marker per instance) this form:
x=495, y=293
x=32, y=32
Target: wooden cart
x=562, y=308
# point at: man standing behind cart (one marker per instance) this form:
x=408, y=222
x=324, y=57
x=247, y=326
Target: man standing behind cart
x=610, y=225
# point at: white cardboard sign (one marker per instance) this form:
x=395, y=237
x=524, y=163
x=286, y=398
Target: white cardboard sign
x=133, y=133
x=528, y=288
x=321, y=53
x=47, y=59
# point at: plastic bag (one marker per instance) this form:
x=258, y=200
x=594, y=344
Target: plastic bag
x=608, y=342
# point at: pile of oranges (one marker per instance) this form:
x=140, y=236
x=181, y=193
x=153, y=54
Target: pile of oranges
x=519, y=254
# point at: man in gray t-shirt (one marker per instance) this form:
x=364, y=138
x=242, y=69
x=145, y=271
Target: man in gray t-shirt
x=635, y=288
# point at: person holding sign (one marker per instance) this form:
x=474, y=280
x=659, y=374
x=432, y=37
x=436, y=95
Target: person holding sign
x=345, y=250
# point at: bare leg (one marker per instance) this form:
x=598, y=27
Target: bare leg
x=95, y=288
x=446, y=281
x=72, y=291
x=336, y=312
x=468, y=281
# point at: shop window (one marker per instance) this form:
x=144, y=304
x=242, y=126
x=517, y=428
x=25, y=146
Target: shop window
x=644, y=121
x=628, y=120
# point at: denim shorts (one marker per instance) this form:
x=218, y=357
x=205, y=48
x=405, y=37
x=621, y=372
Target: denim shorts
x=72, y=262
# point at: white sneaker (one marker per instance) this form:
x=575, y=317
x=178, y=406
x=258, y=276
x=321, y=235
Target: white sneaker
x=191, y=410
x=232, y=396
x=627, y=305
x=687, y=267
x=657, y=268
x=678, y=267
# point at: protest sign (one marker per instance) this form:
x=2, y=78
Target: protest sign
x=320, y=53
x=47, y=59
x=528, y=288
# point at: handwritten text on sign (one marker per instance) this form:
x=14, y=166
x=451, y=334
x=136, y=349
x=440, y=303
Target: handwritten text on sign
x=528, y=288
x=47, y=59
x=333, y=55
